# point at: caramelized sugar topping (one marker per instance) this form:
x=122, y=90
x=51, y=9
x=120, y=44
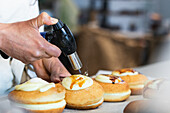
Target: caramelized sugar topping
x=77, y=80
x=114, y=78
x=125, y=70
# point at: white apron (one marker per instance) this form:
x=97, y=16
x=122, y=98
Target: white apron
x=14, y=11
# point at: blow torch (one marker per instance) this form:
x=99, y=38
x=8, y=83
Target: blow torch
x=62, y=37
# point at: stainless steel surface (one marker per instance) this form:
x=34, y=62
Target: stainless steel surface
x=75, y=61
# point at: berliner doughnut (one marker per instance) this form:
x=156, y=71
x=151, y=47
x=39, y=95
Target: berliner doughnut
x=115, y=89
x=133, y=78
x=39, y=96
x=82, y=92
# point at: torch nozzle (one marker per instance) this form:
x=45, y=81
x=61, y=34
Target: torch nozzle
x=75, y=61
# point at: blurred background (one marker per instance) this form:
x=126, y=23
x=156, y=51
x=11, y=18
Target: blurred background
x=115, y=34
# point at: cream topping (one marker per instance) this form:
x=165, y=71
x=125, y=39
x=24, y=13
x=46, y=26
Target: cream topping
x=108, y=79
x=118, y=94
x=77, y=82
x=136, y=86
x=35, y=84
x=125, y=72
x=41, y=106
x=101, y=101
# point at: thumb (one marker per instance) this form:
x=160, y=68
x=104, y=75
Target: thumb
x=42, y=19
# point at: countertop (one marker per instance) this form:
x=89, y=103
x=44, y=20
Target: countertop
x=152, y=71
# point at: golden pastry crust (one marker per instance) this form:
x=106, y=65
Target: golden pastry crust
x=114, y=88
x=84, y=107
x=49, y=101
x=58, y=110
x=36, y=97
x=111, y=89
x=136, y=82
x=116, y=98
x=134, y=79
x=82, y=99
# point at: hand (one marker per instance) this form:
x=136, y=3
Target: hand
x=50, y=69
x=23, y=41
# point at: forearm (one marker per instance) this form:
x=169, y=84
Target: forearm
x=3, y=33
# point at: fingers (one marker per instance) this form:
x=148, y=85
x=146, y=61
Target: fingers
x=41, y=50
x=56, y=69
x=42, y=19
x=51, y=50
x=46, y=49
x=40, y=70
x=50, y=69
x=55, y=78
